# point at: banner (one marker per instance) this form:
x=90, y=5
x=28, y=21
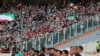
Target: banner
x=6, y=17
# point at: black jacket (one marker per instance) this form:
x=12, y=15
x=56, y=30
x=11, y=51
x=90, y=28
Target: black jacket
x=77, y=54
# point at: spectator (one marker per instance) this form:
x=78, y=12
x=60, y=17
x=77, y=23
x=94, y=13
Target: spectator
x=32, y=52
x=58, y=53
x=13, y=52
x=74, y=51
x=18, y=52
x=46, y=52
x=98, y=46
x=25, y=53
x=65, y=53
x=81, y=50
x=52, y=51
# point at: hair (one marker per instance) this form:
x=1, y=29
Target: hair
x=25, y=50
x=59, y=51
x=75, y=47
x=43, y=49
x=36, y=51
x=51, y=48
x=66, y=51
x=81, y=48
x=14, y=49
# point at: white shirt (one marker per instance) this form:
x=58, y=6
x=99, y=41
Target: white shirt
x=47, y=55
x=82, y=54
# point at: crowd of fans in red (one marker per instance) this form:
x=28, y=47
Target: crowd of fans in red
x=39, y=21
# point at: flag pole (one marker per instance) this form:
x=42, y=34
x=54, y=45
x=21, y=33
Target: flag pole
x=21, y=31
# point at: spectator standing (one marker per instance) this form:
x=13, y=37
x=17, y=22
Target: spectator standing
x=52, y=51
x=47, y=52
x=18, y=52
x=25, y=53
x=74, y=51
x=81, y=50
x=98, y=46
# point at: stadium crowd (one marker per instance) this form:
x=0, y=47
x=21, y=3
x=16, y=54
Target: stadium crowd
x=37, y=21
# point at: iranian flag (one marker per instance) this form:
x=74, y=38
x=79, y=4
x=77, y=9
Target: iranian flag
x=6, y=17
